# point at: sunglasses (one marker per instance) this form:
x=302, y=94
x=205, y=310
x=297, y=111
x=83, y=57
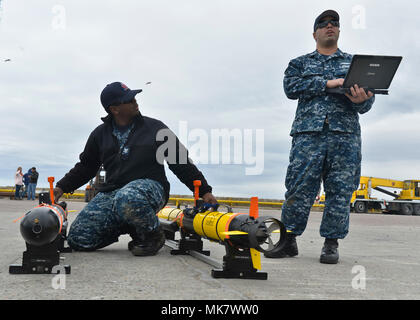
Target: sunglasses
x=325, y=23
x=124, y=102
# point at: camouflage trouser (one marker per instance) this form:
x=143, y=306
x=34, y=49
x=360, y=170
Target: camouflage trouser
x=334, y=158
x=131, y=209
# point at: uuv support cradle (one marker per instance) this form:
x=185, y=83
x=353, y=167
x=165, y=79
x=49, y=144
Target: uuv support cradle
x=243, y=236
x=44, y=229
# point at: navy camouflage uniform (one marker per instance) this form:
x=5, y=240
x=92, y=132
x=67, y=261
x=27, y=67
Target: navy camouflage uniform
x=326, y=144
x=131, y=209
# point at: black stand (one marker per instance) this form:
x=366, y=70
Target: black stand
x=237, y=264
x=42, y=259
x=189, y=243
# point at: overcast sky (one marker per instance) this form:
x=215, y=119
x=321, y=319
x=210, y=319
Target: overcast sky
x=213, y=64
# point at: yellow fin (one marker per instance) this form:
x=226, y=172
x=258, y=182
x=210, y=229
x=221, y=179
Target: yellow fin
x=234, y=233
x=256, y=258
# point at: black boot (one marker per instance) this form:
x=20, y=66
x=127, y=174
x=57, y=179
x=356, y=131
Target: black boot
x=152, y=243
x=289, y=249
x=329, y=253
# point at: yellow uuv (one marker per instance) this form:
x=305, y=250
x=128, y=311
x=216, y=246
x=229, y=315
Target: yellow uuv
x=239, y=232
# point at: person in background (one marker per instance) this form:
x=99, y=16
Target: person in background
x=18, y=183
x=33, y=180
x=26, y=183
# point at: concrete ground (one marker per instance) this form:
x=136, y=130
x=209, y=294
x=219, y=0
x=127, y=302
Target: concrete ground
x=380, y=259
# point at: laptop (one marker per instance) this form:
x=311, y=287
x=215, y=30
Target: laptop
x=373, y=73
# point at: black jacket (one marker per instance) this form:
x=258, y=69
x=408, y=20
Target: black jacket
x=33, y=177
x=140, y=163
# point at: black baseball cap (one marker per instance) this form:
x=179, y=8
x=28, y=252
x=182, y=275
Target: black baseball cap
x=327, y=13
x=117, y=93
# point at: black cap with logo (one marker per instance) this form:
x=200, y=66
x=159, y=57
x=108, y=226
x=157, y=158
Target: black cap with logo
x=117, y=93
x=327, y=13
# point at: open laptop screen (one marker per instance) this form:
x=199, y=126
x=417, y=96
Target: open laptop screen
x=374, y=72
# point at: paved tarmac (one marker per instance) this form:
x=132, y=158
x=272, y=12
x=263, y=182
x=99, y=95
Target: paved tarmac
x=380, y=259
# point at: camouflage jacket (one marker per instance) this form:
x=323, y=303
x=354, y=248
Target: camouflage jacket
x=306, y=79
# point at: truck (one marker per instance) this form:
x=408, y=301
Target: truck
x=92, y=188
x=405, y=202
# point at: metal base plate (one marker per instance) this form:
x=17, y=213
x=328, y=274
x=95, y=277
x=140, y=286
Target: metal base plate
x=229, y=274
x=37, y=269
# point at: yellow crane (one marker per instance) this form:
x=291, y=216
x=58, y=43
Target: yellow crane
x=406, y=202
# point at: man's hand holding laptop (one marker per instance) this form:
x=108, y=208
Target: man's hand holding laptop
x=358, y=95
